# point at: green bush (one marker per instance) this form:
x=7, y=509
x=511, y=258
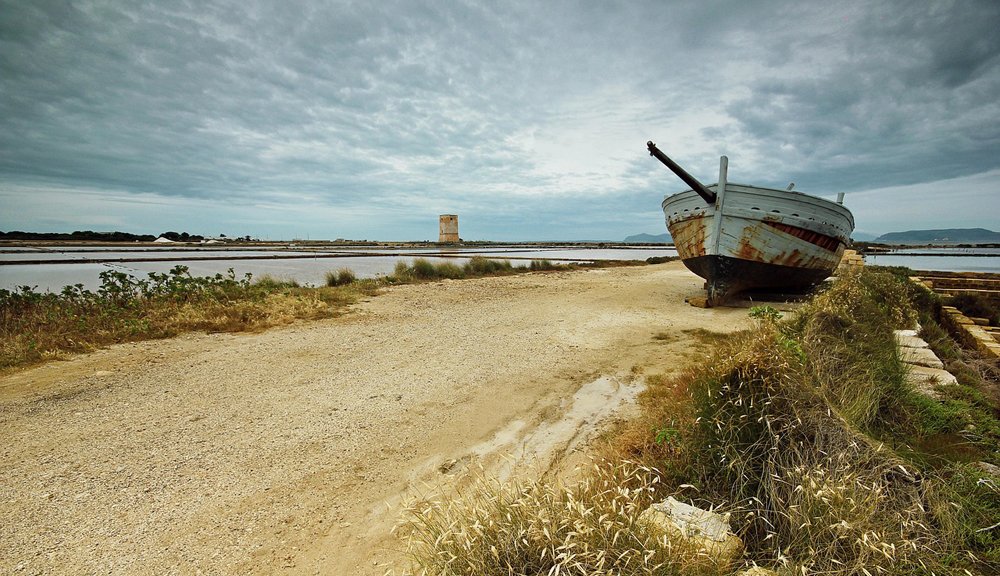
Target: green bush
x=659, y=259
x=482, y=266
x=36, y=326
x=341, y=277
x=423, y=269
x=541, y=265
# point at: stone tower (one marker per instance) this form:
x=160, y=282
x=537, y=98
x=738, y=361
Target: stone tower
x=448, y=229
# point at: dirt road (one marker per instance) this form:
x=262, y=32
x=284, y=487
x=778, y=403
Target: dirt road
x=290, y=451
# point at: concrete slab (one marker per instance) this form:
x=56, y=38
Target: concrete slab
x=920, y=357
x=927, y=380
x=909, y=340
x=705, y=530
x=990, y=469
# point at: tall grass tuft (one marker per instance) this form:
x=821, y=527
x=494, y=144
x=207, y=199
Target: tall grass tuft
x=847, y=335
x=806, y=489
x=482, y=266
x=341, y=277
x=542, y=265
x=477, y=266
x=535, y=527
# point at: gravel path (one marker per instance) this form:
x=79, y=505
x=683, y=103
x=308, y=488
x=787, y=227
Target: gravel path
x=290, y=451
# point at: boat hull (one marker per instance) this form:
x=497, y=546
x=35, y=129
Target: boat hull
x=754, y=237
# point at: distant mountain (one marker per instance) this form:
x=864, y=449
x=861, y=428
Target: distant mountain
x=649, y=239
x=946, y=236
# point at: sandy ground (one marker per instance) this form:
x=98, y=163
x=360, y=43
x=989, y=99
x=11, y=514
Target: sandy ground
x=292, y=451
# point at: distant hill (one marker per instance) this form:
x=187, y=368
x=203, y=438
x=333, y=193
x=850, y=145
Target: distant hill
x=946, y=236
x=863, y=237
x=649, y=239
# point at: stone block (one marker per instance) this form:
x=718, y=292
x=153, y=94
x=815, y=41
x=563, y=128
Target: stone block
x=926, y=380
x=701, y=529
x=991, y=469
x=909, y=339
x=920, y=357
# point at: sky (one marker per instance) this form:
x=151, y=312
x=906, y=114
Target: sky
x=366, y=120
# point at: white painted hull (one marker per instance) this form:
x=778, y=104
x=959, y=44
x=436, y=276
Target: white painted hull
x=754, y=237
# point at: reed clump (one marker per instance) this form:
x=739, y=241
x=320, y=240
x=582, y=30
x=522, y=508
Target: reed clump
x=422, y=269
x=341, y=277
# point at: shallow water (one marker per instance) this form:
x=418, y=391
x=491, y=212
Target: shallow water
x=382, y=261
x=944, y=263
x=53, y=277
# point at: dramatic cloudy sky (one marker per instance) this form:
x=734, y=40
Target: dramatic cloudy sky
x=529, y=119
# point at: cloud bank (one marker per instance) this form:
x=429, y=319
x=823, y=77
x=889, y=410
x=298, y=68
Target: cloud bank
x=367, y=120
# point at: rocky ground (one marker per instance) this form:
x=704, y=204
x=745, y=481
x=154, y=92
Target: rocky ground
x=294, y=450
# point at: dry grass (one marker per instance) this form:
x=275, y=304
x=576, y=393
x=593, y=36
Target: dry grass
x=35, y=327
x=789, y=427
x=529, y=528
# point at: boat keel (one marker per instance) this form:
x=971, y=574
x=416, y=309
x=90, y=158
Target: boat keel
x=726, y=276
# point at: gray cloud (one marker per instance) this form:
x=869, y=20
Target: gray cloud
x=531, y=117
x=908, y=97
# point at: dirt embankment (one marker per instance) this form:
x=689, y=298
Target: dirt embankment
x=291, y=451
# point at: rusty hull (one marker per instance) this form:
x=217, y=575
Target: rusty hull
x=768, y=239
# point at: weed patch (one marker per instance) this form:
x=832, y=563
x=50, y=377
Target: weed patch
x=341, y=277
x=38, y=326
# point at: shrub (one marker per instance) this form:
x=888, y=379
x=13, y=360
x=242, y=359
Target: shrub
x=449, y=270
x=423, y=269
x=659, y=259
x=481, y=266
x=270, y=284
x=341, y=277
x=540, y=265
x=36, y=326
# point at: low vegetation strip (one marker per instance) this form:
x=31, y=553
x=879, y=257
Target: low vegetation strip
x=37, y=326
x=804, y=430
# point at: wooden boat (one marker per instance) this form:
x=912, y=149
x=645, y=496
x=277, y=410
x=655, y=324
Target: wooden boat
x=740, y=237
